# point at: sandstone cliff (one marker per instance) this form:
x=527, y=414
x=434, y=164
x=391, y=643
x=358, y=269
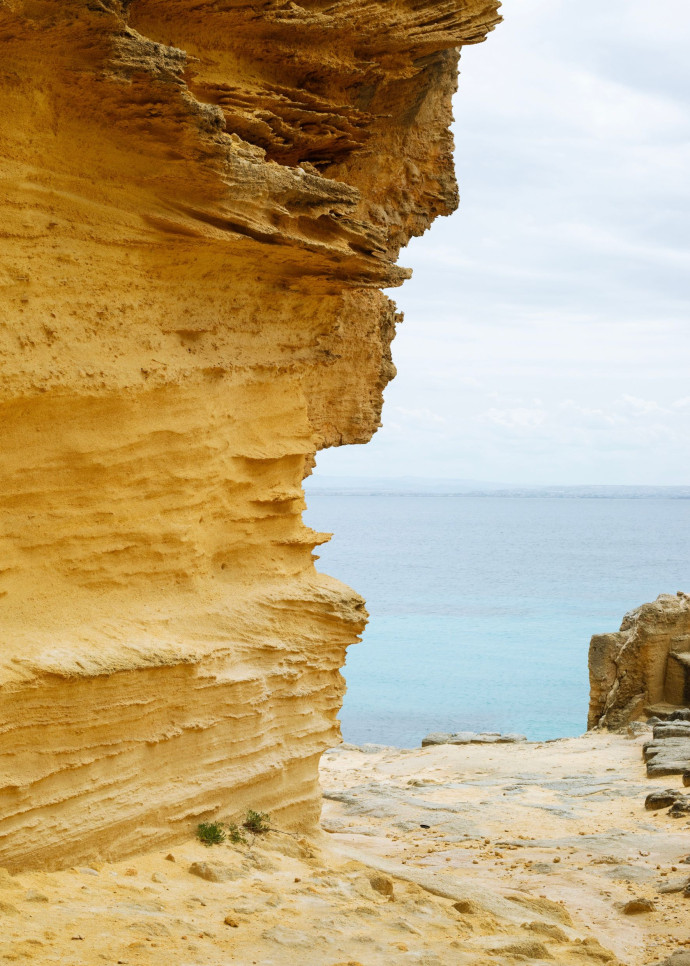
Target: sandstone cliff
x=644, y=667
x=201, y=202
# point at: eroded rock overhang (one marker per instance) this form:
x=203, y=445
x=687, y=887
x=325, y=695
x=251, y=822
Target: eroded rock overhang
x=201, y=202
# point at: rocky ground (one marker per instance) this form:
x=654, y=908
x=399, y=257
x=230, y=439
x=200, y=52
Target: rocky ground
x=668, y=751
x=564, y=821
x=470, y=854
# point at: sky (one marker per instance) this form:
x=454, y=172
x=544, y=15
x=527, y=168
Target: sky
x=546, y=335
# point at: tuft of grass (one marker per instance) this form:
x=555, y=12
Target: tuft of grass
x=210, y=833
x=215, y=833
x=256, y=822
x=235, y=834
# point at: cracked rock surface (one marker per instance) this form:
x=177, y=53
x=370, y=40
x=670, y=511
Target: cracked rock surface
x=563, y=821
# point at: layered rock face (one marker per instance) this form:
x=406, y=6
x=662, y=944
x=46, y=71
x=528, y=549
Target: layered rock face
x=201, y=203
x=645, y=667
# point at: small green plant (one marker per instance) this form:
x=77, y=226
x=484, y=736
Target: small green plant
x=256, y=822
x=210, y=833
x=235, y=834
x=215, y=833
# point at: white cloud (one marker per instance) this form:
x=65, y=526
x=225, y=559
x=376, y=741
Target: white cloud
x=422, y=416
x=564, y=276
x=518, y=420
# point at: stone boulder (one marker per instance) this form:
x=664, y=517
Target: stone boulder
x=644, y=668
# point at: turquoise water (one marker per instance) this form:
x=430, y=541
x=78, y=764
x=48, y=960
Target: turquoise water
x=482, y=607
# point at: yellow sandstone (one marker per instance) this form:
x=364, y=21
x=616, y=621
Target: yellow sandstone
x=201, y=202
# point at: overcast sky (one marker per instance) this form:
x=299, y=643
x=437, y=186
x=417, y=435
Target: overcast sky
x=546, y=337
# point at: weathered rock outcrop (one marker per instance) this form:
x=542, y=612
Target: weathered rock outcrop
x=200, y=204
x=644, y=668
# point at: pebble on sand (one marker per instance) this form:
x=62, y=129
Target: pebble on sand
x=636, y=906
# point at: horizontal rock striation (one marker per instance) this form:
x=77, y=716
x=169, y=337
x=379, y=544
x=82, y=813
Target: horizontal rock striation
x=644, y=668
x=201, y=202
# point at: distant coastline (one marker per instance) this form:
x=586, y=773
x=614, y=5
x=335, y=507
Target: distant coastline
x=419, y=486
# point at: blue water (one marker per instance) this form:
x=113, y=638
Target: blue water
x=482, y=607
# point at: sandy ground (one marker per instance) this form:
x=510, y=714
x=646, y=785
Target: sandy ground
x=529, y=855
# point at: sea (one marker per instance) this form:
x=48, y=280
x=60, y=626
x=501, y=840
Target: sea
x=482, y=606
